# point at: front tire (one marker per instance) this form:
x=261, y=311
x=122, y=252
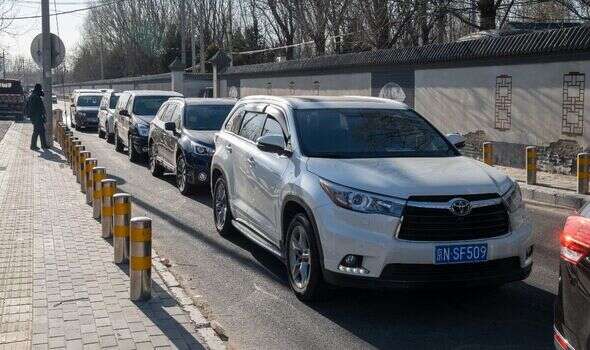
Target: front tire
x=155, y=167
x=221, y=209
x=118, y=144
x=181, y=176
x=101, y=133
x=303, y=262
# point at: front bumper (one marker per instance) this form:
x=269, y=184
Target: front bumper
x=198, y=168
x=139, y=144
x=84, y=122
x=394, y=262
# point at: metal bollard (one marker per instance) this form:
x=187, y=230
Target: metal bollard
x=583, y=169
x=108, y=188
x=77, y=150
x=83, y=156
x=140, y=267
x=531, y=165
x=98, y=174
x=488, y=153
x=67, y=144
x=89, y=164
x=121, y=221
x=75, y=144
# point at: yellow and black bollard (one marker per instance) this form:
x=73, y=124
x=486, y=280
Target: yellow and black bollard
x=73, y=155
x=121, y=221
x=531, y=165
x=83, y=156
x=65, y=146
x=77, y=150
x=140, y=267
x=89, y=164
x=74, y=142
x=583, y=170
x=99, y=173
x=108, y=189
x=488, y=155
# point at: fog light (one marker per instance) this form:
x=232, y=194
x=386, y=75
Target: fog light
x=353, y=264
x=202, y=177
x=351, y=260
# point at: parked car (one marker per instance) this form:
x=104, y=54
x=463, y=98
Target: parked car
x=73, y=96
x=181, y=139
x=106, y=120
x=12, y=99
x=572, y=308
x=360, y=191
x=133, y=113
x=54, y=99
x=85, y=114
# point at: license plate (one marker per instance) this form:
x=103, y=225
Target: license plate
x=460, y=253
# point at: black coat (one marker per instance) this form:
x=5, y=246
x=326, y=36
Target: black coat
x=36, y=109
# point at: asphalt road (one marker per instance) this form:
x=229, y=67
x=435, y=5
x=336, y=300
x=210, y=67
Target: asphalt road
x=245, y=288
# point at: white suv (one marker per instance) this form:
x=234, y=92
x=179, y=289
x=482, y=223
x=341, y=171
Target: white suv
x=360, y=191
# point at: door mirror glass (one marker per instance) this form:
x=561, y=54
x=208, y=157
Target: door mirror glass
x=456, y=139
x=73, y=105
x=103, y=108
x=170, y=126
x=124, y=113
x=271, y=143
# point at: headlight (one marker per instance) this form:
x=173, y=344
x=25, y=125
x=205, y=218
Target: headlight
x=513, y=198
x=200, y=149
x=142, y=130
x=362, y=201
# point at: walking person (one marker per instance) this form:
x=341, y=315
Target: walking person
x=37, y=114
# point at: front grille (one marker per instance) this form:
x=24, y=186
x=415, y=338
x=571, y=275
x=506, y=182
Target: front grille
x=439, y=224
x=450, y=272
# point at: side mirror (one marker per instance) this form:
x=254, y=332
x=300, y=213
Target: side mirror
x=271, y=143
x=73, y=105
x=124, y=113
x=103, y=108
x=456, y=139
x=170, y=126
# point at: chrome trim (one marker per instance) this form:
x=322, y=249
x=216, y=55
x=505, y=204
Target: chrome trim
x=447, y=205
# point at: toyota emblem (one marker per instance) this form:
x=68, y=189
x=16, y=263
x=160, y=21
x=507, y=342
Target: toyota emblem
x=460, y=207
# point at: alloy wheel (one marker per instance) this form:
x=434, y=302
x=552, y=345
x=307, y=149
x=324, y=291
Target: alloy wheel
x=181, y=173
x=300, y=257
x=220, y=205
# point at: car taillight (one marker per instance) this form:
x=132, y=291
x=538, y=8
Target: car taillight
x=575, y=239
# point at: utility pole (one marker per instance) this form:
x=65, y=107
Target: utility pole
x=201, y=42
x=193, y=44
x=47, y=54
x=101, y=61
x=182, y=14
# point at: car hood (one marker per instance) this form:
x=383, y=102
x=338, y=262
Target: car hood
x=202, y=136
x=405, y=177
x=86, y=109
x=145, y=119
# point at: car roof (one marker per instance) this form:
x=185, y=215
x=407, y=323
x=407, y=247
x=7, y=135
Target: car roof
x=314, y=102
x=97, y=93
x=209, y=101
x=153, y=93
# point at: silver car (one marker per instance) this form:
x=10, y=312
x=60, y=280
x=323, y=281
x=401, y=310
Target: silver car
x=106, y=114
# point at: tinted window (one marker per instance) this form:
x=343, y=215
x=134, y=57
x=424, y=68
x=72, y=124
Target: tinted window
x=176, y=116
x=113, y=101
x=233, y=124
x=368, y=133
x=252, y=125
x=122, y=101
x=199, y=117
x=272, y=127
x=89, y=100
x=148, y=105
x=162, y=112
x=169, y=112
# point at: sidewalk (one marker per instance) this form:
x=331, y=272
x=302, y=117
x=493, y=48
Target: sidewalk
x=552, y=189
x=58, y=285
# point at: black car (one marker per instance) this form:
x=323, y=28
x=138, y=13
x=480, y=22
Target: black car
x=572, y=308
x=86, y=110
x=181, y=139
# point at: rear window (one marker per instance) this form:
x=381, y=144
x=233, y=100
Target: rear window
x=10, y=87
x=148, y=105
x=89, y=100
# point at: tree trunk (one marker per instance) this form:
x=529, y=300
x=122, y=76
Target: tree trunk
x=487, y=14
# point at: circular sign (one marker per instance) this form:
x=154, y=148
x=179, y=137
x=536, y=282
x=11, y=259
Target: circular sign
x=58, y=50
x=393, y=91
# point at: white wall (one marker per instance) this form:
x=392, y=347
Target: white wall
x=462, y=99
x=329, y=85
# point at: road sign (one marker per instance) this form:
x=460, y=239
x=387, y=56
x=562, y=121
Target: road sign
x=58, y=50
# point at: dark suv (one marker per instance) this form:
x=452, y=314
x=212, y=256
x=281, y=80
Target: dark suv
x=12, y=98
x=181, y=138
x=86, y=107
x=133, y=114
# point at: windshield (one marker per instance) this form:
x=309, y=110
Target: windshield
x=199, y=117
x=89, y=100
x=148, y=105
x=368, y=133
x=113, y=101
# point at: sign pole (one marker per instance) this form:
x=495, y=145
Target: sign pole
x=47, y=54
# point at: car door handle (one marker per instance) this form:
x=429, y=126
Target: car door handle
x=252, y=162
x=228, y=148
